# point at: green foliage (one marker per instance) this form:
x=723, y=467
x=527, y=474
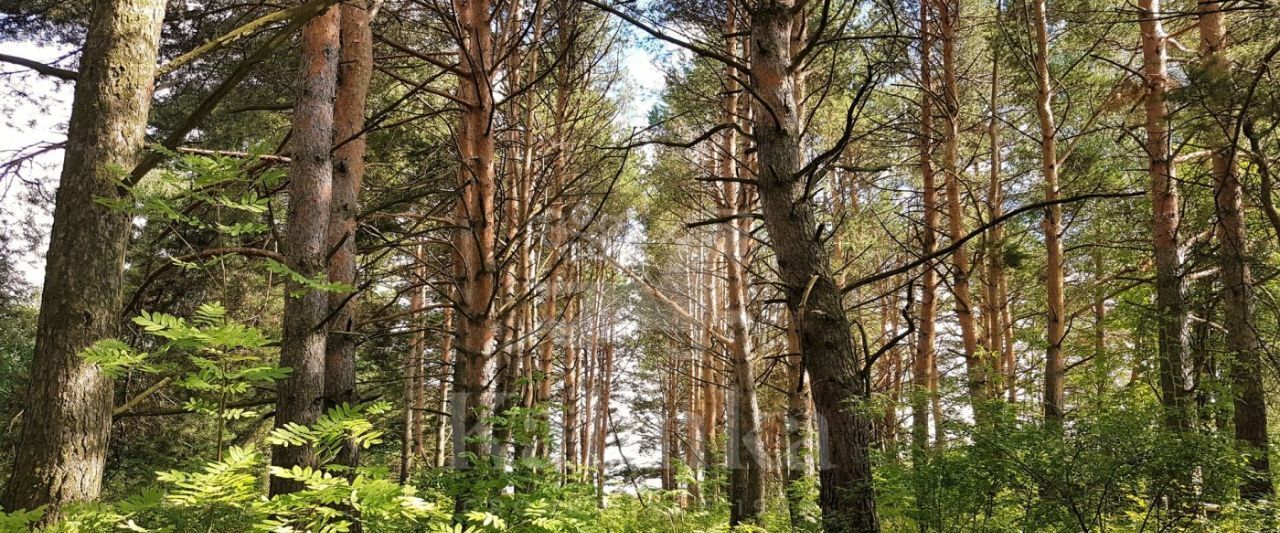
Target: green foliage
x=1111, y=469
x=319, y=282
x=227, y=495
x=114, y=357
x=340, y=424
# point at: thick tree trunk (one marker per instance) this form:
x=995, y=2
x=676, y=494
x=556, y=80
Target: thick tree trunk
x=1237, y=282
x=847, y=497
x=300, y=396
x=1175, y=364
x=475, y=266
x=354, y=69
x=1055, y=281
x=67, y=422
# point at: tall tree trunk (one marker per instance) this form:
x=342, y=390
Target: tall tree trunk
x=1175, y=365
x=847, y=497
x=569, y=391
x=924, y=352
x=590, y=360
x=922, y=366
x=693, y=423
x=446, y=398
x=1006, y=324
x=67, y=422
x=1237, y=282
x=475, y=266
x=606, y=390
x=670, y=414
x=710, y=369
x=744, y=453
x=993, y=301
x=354, y=69
x=411, y=441
x=979, y=381
x=1055, y=281
x=300, y=396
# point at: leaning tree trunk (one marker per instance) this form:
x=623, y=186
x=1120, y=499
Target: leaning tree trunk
x=300, y=396
x=67, y=422
x=847, y=497
x=348, y=173
x=1237, y=282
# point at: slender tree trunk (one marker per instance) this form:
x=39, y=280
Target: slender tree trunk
x=1175, y=364
x=1237, y=282
x=670, y=412
x=569, y=391
x=590, y=360
x=606, y=390
x=300, y=396
x=1006, y=324
x=446, y=366
x=924, y=352
x=710, y=369
x=413, y=378
x=797, y=425
x=979, y=381
x=922, y=367
x=744, y=454
x=693, y=423
x=847, y=497
x=354, y=69
x=994, y=302
x=1055, y=280
x=62, y=450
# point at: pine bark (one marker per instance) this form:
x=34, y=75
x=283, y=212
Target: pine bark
x=1172, y=332
x=300, y=396
x=1243, y=344
x=796, y=457
x=606, y=391
x=1055, y=280
x=411, y=441
x=745, y=453
x=922, y=362
x=354, y=69
x=66, y=425
x=475, y=267
x=978, y=368
x=446, y=398
x=846, y=496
